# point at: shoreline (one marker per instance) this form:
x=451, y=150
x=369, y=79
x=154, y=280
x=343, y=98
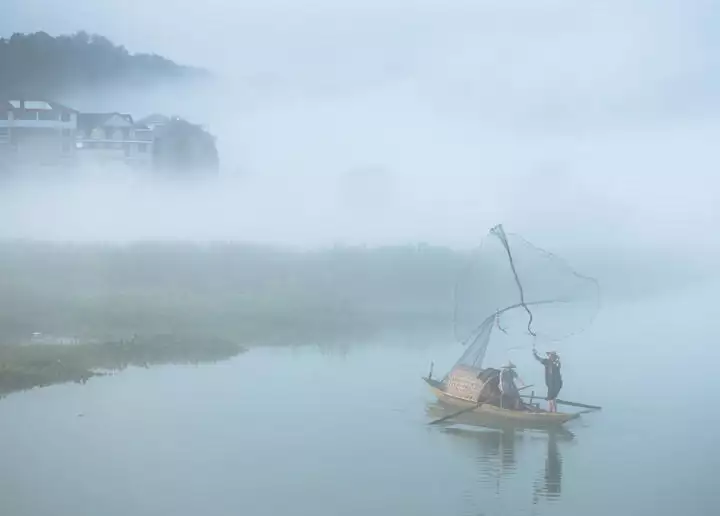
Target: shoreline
x=33, y=366
x=41, y=364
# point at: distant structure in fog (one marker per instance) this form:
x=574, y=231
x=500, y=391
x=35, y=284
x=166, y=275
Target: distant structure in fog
x=39, y=133
x=113, y=138
x=155, y=121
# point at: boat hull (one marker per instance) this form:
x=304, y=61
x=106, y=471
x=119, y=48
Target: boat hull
x=518, y=417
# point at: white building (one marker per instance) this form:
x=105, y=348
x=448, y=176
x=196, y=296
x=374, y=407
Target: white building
x=107, y=138
x=37, y=133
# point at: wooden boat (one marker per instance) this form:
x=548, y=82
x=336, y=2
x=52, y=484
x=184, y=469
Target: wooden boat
x=472, y=423
x=530, y=416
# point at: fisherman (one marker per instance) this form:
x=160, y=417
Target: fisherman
x=509, y=394
x=553, y=377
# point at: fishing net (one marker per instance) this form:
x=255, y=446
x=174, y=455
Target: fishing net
x=514, y=295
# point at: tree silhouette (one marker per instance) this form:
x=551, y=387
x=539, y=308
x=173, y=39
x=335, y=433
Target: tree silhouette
x=182, y=147
x=43, y=66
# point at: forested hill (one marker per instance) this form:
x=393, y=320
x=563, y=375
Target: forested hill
x=48, y=67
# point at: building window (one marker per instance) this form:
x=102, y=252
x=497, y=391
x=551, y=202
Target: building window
x=142, y=147
x=65, y=117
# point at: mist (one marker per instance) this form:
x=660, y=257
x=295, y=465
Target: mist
x=586, y=128
x=254, y=340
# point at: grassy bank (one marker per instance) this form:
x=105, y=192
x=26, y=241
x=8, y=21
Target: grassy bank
x=247, y=294
x=29, y=366
x=226, y=293
x=116, y=300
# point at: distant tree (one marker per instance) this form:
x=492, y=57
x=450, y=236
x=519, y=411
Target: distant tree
x=185, y=148
x=44, y=66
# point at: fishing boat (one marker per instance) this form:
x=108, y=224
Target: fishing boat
x=473, y=388
x=475, y=421
x=530, y=415
x=469, y=385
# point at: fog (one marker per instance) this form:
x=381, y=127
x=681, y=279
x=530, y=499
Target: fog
x=581, y=126
x=589, y=128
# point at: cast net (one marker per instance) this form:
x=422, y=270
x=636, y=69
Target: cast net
x=514, y=295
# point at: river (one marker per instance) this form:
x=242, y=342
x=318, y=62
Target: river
x=342, y=430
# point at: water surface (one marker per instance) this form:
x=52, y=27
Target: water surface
x=342, y=429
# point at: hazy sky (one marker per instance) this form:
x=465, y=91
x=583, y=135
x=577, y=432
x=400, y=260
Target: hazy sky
x=427, y=120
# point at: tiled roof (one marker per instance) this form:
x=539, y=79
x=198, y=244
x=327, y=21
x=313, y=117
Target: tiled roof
x=89, y=121
x=154, y=119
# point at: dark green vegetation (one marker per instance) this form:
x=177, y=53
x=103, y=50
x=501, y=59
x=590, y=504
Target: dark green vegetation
x=243, y=293
x=210, y=299
x=182, y=148
x=39, y=65
x=40, y=365
x=258, y=295
x=207, y=300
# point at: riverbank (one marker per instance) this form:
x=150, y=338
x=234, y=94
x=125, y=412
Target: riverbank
x=212, y=299
x=69, y=312
x=41, y=365
x=248, y=294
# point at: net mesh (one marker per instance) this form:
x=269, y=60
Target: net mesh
x=521, y=296
x=475, y=352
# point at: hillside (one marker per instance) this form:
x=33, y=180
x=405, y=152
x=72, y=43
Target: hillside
x=40, y=65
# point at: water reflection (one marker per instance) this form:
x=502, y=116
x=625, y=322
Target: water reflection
x=550, y=485
x=339, y=349
x=497, y=447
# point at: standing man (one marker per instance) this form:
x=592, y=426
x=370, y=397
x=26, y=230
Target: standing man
x=553, y=377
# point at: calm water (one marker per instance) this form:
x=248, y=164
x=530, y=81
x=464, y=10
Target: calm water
x=341, y=430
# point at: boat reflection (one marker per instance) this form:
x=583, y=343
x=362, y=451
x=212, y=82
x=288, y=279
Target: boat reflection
x=498, y=446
